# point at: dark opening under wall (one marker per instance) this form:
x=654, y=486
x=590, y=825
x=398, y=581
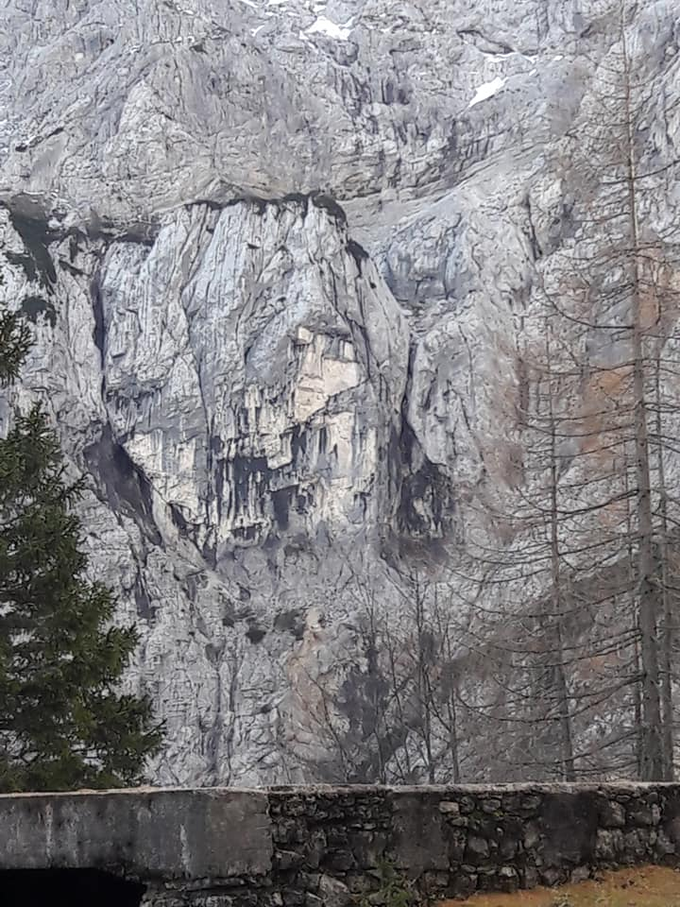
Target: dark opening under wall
x=67, y=888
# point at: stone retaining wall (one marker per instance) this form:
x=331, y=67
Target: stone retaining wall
x=307, y=847
x=454, y=842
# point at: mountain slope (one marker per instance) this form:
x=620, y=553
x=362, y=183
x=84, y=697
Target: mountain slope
x=275, y=254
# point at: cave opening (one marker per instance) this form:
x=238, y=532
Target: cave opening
x=67, y=887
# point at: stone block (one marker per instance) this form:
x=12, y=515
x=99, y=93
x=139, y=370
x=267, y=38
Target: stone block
x=457, y=844
x=309, y=881
x=529, y=876
x=315, y=848
x=477, y=850
x=333, y=892
x=532, y=836
x=292, y=898
x=609, y=844
x=434, y=883
x=487, y=878
x=663, y=846
x=462, y=883
x=553, y=875
x=361, y=882
x=645, y=814
x=530, y=803
x=580, y=874
x=288, y=831
x=483, y=825
x=337, y=837
x=612, y=814
x=467, y=805
x=491, y=806
x=635, y=845
x=449, y=809
x=368, y=848
x=339, y=859
x=672, y=829
x=508, y=848
x=288, y=859
x=508, y=879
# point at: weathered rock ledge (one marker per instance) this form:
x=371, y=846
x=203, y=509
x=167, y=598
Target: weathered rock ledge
x=302, y=847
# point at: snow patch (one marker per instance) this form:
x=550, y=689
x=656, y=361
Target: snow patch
x=325, y=26
x=488, y=90
x=303, y=36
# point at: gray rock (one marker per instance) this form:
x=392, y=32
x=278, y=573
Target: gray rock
x=532, y=835
x=463, y=883
x=457, y=843
x=644, y=814
x=508, y=848
x=274, y=257
x=508, y=879
x=612, y=814
x=333, y=892
x=636, y=843
x=609, y=844
x=449, y=809
x=664, y=846
x=491, y=806
x=580, y=874
x=477, y=849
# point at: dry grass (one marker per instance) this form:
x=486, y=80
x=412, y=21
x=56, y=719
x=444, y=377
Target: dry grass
x=652, y=886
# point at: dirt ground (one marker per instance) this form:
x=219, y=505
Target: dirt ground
x=652, y=886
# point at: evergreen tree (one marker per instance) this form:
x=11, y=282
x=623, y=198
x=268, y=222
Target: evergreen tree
x=63, y=721
x=15, y=341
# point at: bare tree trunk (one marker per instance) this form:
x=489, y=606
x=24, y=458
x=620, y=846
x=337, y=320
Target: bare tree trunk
x=451, y=706
x=568, y=764
x=635, y=622
x=667, y=617
x=559, y=674
x=371, y=647
x=453, y=736
x=423, y=678
x=652, y=762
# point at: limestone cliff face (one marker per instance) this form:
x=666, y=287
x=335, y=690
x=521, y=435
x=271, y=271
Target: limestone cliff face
x=274, y=253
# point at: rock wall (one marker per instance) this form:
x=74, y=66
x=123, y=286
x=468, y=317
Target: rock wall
x=277, y=253
x=303, y=847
